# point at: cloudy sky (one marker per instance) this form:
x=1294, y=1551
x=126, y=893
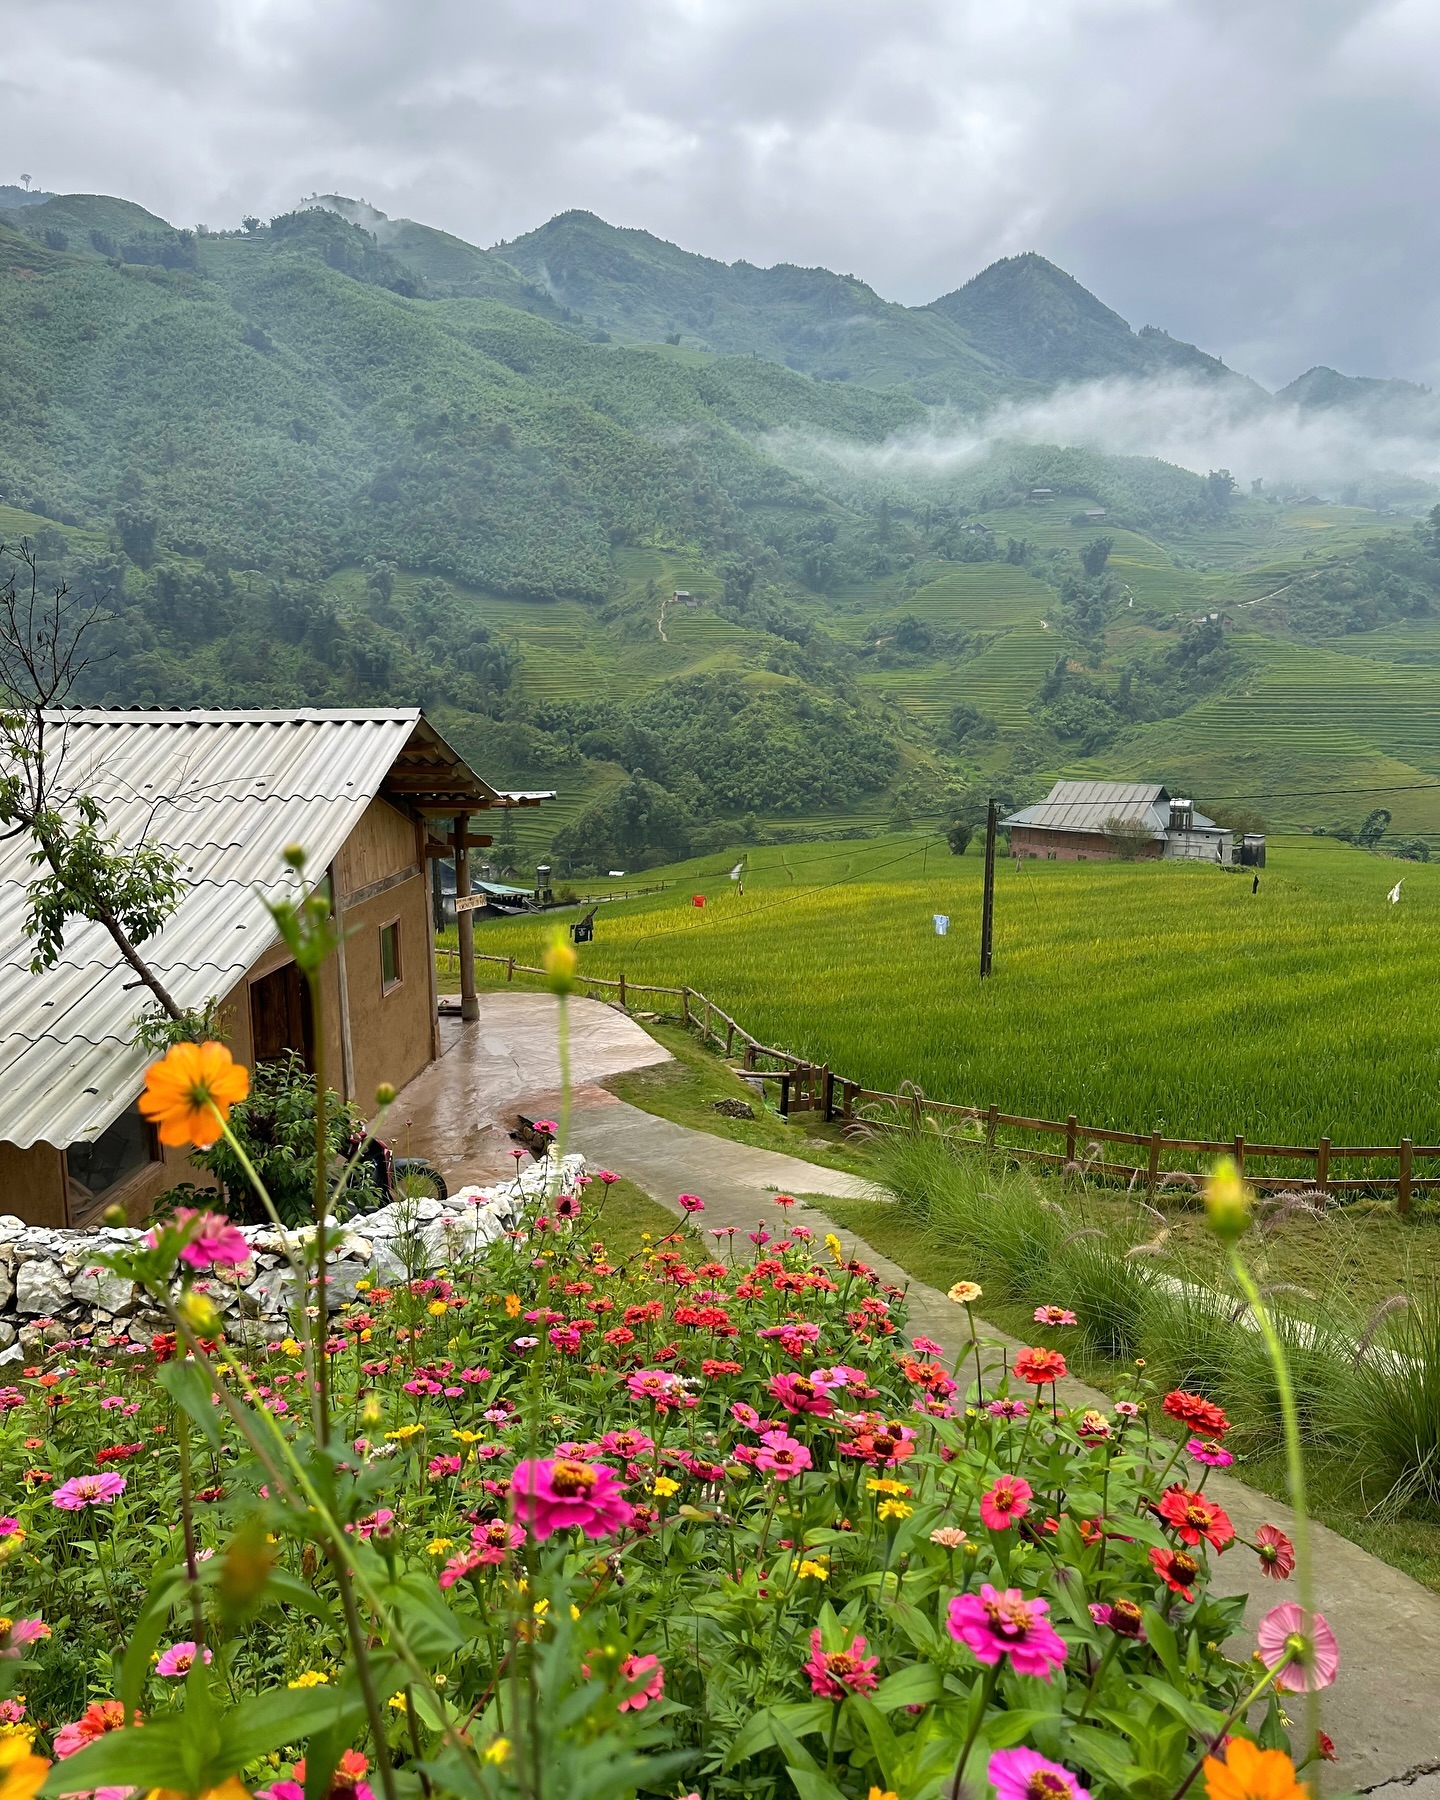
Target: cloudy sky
x=1253, y=175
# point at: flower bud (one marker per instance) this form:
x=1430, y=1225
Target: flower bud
x=560, y=963
x=199, y=1313
x=114, y=1216
x=1227, y=1202
x=294, y=855
x=385, y=1094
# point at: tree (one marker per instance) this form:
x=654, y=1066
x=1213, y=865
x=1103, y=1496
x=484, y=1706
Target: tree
x=1126, y=837
x=1095, y=555
x=85, y=871
x=958, y=838
x=1374, y=828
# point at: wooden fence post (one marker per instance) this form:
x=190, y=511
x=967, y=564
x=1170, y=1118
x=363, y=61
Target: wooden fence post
x=1407, y=1158
x=1239, y=1155
x=705, y=1033
x=623, y=1006
x=1322, y=1164
x=510, y=969
x=991, y=1124
x=848, y=1093
x=827, y=1094
x=784, y=1093
x=749, y=1053
x=1072, y=1125
x=729, y=1036
x=685, y=1004
x=1153, y=1172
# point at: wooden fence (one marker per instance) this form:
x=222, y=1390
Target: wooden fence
x=815, y=1088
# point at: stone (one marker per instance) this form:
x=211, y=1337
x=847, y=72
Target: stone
x=103, y=1288
x=11, y=1228
x=7, y=1333
x=272, y=1292
x=40, y=1288
x=13, y=1355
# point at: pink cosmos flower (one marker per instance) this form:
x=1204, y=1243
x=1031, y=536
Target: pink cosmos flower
x=995, y=1625
x=381, y=1520
x=1022, y=1774
x=798, y=1394
x=1214, y=1455
x=781, y=1456
x=648, y=1672
x=1313, y=1661
x=179, y=1659
x=835, y=1673
x=88, y=1490
x=557, y=1494
x=1008, y=1500
x=691, y=1203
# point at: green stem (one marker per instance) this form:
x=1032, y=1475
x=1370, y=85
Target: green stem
x=990, y=1680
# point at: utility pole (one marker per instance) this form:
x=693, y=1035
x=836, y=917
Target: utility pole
x=464, y=918
x=987, y=909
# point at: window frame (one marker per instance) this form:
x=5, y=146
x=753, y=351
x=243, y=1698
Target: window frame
x=388, y=986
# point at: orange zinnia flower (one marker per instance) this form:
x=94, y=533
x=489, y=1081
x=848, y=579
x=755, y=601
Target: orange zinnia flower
x=21, y=1771
x=1249, y=1773
x=191, y=1092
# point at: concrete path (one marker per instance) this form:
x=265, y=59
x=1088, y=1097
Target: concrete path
x=1383, y=1711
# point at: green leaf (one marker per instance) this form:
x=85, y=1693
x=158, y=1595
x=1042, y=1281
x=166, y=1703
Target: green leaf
x=1007, y=1729
x=189, y=1390
x=282, y=1586
x=912, y=1686
x=139, y=1757
x=1162, y=1641
x=165, y=1591
x=794, y=1752
x=813, y=1785
x=285, y=1715
x=759, y=1733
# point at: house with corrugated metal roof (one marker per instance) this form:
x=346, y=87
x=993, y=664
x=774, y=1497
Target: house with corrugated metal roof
x=375, y=797
x=1080, y=821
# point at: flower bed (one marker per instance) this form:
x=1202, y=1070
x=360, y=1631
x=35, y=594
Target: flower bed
x=709, y=1521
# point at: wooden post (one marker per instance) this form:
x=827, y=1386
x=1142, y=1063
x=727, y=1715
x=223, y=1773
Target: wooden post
x=1153, y=1172
x=705, y=1034
x=827, y=1093
x=749, y=1053
x=991, y=1124
x=987, y=905
x=1072, y=1126
x=465, y=921
x=847, y=1104
x=623, y=1006
x=1407, y=1159
x=510, y=969
x=685, y=1004
x=784, y=1093
x=1239, y=1155
x=1322, y=1165
x=729, y=1036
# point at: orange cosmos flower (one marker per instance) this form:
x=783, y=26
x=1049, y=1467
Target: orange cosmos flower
x=1249, y=1773
x=191, y=1092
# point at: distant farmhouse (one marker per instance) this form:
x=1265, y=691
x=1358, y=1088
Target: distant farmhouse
x=1094, y=820
x=376, y=798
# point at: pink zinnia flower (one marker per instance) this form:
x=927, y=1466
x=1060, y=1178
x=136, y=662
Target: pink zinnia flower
x=463, y=1563
x=559, y=1493
x=565, y=1338
x=606, y=1175
x=652, y=1384
x=1209, y=1451
x=179, y=1659
x=1022, y=1774
x=745, y=1415
x=927, y=1346
x=441, y=1466
x=21, y=1632
x=995, y=1625
x=88, y=1490
x=495, y=1539
x=648, y=1672
x=99, y=1717
x=798, y=1394
x=781, y=1456
x=1277, y=1553
x=629, y=1444
x=835, y=1673
x=1008, y=1409
x=691, y=1203
x=1054, y=1315
x=215, y=1240
x=1313, y=1659
x=1007, y=1501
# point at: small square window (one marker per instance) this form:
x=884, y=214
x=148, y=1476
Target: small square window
x=390, y=955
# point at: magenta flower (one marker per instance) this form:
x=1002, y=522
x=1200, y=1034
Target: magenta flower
x=179, y=1659
x=560, y=1493
x=798, y=1394
x=835, y=1673
x=463, y=1563
x=629, y=1444
x=653, y=1384
x=647, y=1671
x=1008, y=1409
x=995, y=1625
x=1009, y=1499
x=21, y=1632
x=1214, y=1455
x=1311, y=1661
x=781, y=1456
x=1054, y=1315
x=494, y=1540
x=1022, y=1774
x=88, y=1490
x=214, y=1240
x=565, y=1338
x=606, y=1175
x=439, y=1467
x=691, y=1203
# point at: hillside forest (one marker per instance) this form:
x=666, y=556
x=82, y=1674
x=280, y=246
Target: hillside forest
x=622, y=520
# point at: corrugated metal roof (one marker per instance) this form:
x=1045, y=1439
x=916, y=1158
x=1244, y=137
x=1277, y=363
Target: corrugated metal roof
x=227, y=791
x=1091, y=805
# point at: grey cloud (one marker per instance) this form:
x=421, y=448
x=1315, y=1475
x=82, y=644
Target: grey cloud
x=1250, y=176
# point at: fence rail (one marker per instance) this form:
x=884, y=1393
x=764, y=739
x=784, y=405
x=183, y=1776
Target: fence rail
x=815, y=1087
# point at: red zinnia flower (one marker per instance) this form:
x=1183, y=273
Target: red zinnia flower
x=1177, y=1570
x=1040, y=1366
x=1201, y=1415
x=1195, y=1517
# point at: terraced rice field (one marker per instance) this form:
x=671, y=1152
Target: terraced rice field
x=1139, y=996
